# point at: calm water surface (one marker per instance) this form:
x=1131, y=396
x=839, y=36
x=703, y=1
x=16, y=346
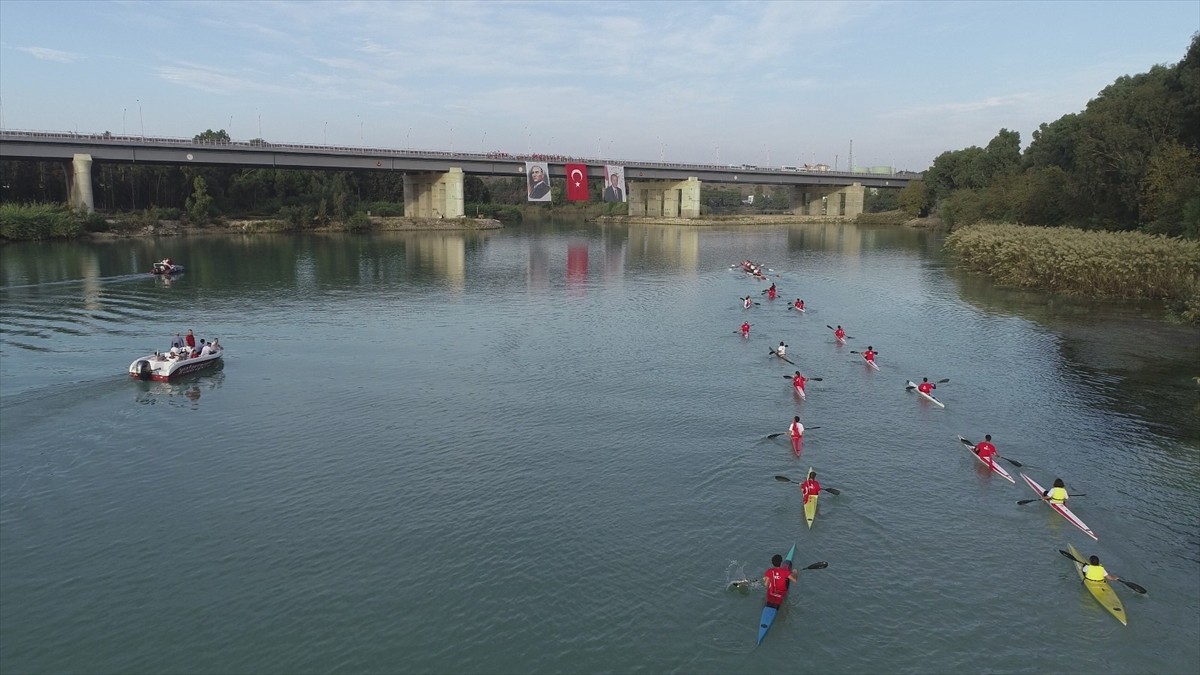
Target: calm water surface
x=543, y=450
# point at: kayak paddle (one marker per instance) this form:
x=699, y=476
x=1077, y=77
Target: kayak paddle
x=1045, y=499
x=784, y=432
x=942, y=381
x=745, y=582
x=971, y=445
x=784, y=479
x=849, y=337
x=810, y=379
x=1130, y=584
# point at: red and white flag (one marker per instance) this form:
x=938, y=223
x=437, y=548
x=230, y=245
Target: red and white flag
x=577, y=186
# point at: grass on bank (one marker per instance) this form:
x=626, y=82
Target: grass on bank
x=1085, y=263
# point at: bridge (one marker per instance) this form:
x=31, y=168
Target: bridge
x=433, y=180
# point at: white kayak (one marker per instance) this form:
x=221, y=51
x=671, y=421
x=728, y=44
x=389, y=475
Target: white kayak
x=927, y=397
x=1061, y=508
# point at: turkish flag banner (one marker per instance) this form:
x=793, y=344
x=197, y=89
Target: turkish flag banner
x=577, y=186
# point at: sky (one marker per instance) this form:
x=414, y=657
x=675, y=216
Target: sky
x=762, y=83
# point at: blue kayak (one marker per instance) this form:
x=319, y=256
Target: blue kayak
x=768, y=613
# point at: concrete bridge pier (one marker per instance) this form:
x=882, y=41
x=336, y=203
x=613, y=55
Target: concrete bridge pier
x=828, y=200
x=664, y=198
x=79, y=184
x=434, y=195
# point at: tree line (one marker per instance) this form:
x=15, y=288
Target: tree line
x=1129, y=161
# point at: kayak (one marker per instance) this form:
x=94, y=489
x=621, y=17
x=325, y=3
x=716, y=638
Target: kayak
x=810, y=507
x=775, y=353
x=768, y=613
x=797, y=445
x=995, y=466
x=1101, y=590
x=871, y=363
x=1061, y=508
x=927, y=397
x=800, y=392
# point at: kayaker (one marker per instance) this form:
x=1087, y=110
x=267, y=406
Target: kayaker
x=810, y=487
x=781, y=350
x=869, y=355
x=796, y=431
x=745, y=329
x=985, y=449
x=1094, y=571
x=747, y=302
x=798, y=381
x=190, y=339
x=777, y=580
x=839, y=333
x=771, y=292
x=799, y=304
x=926, y=387
x=1056, y=494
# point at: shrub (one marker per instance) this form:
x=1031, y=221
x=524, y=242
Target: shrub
x=359, y=222
x=21, y=222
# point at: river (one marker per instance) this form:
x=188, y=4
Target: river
x=543, y=449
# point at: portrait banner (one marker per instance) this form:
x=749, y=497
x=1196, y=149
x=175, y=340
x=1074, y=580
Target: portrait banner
x=538, y=175
x=614, y=183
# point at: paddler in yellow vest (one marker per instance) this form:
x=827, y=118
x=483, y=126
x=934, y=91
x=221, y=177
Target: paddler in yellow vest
x=1057, y=494
x=1094, y=571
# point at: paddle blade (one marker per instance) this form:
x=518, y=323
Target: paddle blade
x=1012, y=461
x=1027, y=501
x=833, y=491
x=1134, y=586
x=814, y=379
x=817, y=566
x=775, y=435
x=965, y=442
x=1068, y=555
x=784, y=479
x=943, y=381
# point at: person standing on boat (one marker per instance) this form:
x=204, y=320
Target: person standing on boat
x=926, y=387
x=1056, y=494
x=869, y=355
x=177, y=343
x=798, y=381
x=777, y=580
x=190, y=339
x=1094, y=571
x=745, y=329
x=810, y=487
x=839, y=333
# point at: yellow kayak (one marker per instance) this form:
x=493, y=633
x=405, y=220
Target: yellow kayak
x=1101, y=590
x=810, y=507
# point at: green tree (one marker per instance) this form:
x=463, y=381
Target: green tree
x=914, y=199
x=199, y=205
x=210, y=136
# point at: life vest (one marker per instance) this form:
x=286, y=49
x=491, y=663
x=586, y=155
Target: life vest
x=1057, y=495
x=777, y=583
x=1094, y=572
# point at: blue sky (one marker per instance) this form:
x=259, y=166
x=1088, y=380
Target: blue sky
x=756, y=83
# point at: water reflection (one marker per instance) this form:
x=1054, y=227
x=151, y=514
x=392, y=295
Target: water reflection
x=184, y=393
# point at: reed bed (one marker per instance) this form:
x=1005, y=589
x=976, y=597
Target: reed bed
x=1080, y=262
x=22, y=222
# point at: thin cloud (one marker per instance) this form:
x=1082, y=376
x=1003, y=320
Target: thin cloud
x=47, y=54
x=961, y=107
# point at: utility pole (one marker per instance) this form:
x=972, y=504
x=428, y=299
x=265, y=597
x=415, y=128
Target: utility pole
x=850, y=160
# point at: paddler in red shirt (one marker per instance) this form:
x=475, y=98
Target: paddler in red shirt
x=870, y=356
x=771, y=292
x=745, y=329
x=799, y=304
x=777, y=579
x=926, y=387
x=810, y=487
x=986, y=450
x=839, y=334
x=798, y=381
